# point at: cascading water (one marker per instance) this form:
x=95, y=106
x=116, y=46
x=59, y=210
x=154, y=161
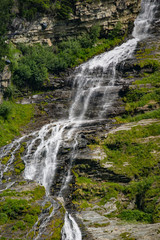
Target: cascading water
x=94, y=80
x=145, y=19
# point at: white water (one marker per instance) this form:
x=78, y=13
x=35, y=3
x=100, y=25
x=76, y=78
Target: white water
x=97, y=75
x=69, y=224
x=145, y=18
x=41, y=164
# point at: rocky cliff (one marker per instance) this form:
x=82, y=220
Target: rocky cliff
x=87, y=13
x=114, y=186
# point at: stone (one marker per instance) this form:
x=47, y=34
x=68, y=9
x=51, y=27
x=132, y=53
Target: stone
x=6, y=74
x=105, y=13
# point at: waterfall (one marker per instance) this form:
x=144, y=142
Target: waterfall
x=144, y=19
x=93, y=83
x=70, y=230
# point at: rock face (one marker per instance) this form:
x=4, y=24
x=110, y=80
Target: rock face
x=105, y=13
x=5, y=77
x=96, y=188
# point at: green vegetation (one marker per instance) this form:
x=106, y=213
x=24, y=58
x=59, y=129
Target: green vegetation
x=89, y=191
x=5, y=19
x=131, y=152
x=18, y=116
x=126, y=236
x=19, y=165
x=131, y=215
x=29, y=9
x=31, y=70
x=15, y=209
x=143, y=100
x=4, y=110
x=134, y=153
x=19, y=210
x=64, y=8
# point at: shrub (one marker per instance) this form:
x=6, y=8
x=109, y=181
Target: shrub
x=5, y=19
x=30, y=8
x=20, y=225
x=10, y=92
x=4, y=110
x=64, y=8
x=3, y=218
x=30, y=219
x=116, y=31
x=29, y=75
x=13, y=207
x=131, y=215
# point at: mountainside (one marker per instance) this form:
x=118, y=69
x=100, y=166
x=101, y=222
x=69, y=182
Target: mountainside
x=87, y=163
x=48, y=29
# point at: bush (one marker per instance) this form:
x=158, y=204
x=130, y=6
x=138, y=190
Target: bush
x=4, y=110
x=30, y=219
x=13, y=207
x=31, y=69
x=64, y=8
x=10, y=92
x=131, y=215
x=20, y=225
x=5, y=19
x=30, y=8
x=3, y=218
x=29, y=74
x=116, y=31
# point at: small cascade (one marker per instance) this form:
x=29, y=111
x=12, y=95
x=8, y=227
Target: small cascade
x=145, y=19
x=70, y=229
x=92, y=90
x=41, y=163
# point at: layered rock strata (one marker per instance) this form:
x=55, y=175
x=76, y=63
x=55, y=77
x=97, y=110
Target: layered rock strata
x=104, y=13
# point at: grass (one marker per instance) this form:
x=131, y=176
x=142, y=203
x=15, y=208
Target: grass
x=130, y=153
x=89, y=191
x=19, y=117
x=19, y=210
x=142, y=102
x=134, y=153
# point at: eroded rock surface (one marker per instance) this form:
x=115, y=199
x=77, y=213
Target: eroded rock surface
x=105, y=13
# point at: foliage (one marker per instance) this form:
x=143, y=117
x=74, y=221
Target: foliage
x=4, y=110
x=19, y=210
x=30, y=8
x=3, y=218
x=18, y=117
x=128, y=147
x=130, y=215
x=10, y=92
x=150, y=63
x=116, y=31
x=142, y=102
x=64, y=8
x=5, y=18
x=30, y=71
x=89, y=191
x=13, y=207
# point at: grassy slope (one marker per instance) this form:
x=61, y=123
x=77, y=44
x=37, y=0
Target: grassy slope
x=19, y=117
x=135, y=153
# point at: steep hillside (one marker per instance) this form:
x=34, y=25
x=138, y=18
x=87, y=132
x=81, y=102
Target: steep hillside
x=105, y=176
x=67, y=20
